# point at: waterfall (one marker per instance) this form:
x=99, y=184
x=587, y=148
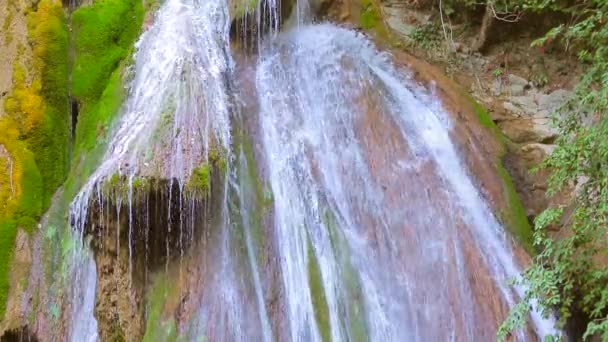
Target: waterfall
x=84, y=327
x=345, y=211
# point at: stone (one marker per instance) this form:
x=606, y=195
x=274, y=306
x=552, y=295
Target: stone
x=404, y=24
x=553, y=100
x=497, y=87
x=516, y=89
x=535, y=153
x=526, y=130
x=511, y=108
x=516, y=80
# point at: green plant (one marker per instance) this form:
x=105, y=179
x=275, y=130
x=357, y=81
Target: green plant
x=498, y=72
x=569, y=275
x=426, y=36
x=200, y=180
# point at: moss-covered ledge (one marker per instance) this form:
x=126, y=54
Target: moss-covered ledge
x=513, y=215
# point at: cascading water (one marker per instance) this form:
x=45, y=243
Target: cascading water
x=357, y=152
x=176, y=112
x=359, y=220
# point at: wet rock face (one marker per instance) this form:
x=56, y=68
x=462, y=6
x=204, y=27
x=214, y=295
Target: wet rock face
x=136, y=235
x=253, y=19
x=153, y=225
x=20, y=334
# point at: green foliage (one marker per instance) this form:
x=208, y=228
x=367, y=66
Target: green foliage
x=427, y=36
x=200, y=180
x=498, y=72
x=570, y=275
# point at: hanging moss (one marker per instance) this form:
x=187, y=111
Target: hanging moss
x=200, y=181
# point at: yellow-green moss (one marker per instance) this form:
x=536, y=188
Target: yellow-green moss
x=199, y=183
x=370, y=19
x=34, y=130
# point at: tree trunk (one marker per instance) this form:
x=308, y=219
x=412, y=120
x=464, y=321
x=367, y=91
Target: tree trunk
x=486, y=26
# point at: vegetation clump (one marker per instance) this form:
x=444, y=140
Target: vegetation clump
x=569, y=276
x=200, y=180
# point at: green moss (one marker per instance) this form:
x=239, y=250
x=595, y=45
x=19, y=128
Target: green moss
x=40, y=155
x=27, y=208
x=484, y=117
x=8, y=232
x=218, y=159
x=370, y=16
x=200, y=182
x=141, y=185
x=252, y=190
x=117, y=187
x=103, y=36
x=49, y=142
x=30, y=204
x=244, y=7
x=247, y=147
x=95, y=118
x=513, y=216
x=317, y=293
x=370, y=19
